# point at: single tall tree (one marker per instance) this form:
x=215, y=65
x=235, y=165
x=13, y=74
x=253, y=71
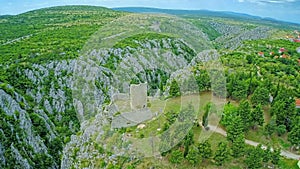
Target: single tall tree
x=238, y=146
x=260, y=96
x=244, y=111
x=207, y=109
x=193, y=156
x=294, y=134
x=222, y=153
x=176, y=157
x=230, y=111
x=235, y=129
x=205, y=149
x=284, y=108
x=254, y=158
x=257, y=116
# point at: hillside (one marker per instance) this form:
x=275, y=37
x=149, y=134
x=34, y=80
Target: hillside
x=37, y=115
x=219, y=14
x=65, y=77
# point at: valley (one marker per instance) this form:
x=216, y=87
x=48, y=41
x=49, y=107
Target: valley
x=222, y=89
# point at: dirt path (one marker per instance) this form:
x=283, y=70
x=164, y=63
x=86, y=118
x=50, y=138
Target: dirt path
x=17, y=39
x=284, y=153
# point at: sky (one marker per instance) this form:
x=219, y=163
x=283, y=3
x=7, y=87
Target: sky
x=286, y=10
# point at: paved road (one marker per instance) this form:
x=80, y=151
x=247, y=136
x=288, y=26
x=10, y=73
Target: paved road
x=284, y=153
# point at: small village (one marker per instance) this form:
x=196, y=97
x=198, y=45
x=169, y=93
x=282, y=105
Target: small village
x=282, y=52
x=295, y=37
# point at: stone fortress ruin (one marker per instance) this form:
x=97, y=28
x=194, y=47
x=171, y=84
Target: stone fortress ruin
x=136, y=112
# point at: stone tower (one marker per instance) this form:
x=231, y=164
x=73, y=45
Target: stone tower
x=138, y=96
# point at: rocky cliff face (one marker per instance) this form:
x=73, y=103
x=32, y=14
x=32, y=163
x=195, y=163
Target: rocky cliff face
x=233, y=35
x=83, y=149
x=44, y=117
x=33, y=120
x=45, y=122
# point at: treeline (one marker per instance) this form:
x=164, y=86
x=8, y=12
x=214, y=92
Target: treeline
x=197, y=153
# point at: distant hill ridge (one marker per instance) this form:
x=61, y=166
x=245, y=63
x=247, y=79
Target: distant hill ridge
x=225, y=14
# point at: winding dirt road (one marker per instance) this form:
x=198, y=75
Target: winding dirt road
x=283, y=153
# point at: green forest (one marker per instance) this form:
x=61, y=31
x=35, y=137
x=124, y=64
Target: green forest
x=40, y=126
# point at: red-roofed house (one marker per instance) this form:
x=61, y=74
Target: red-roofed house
x=261, y=54
x=297, y=40
x=298, y=103
x=281, y=50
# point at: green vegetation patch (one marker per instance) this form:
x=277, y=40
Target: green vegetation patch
x=135, y=40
